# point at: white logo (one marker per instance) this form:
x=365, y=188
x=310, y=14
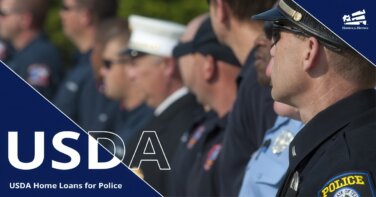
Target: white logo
x=356, y=20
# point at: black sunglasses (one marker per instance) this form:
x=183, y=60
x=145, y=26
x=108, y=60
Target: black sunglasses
x=268, y=29
x=107, y=64
x=64, y=7
x=278, y=27
x=7, y=13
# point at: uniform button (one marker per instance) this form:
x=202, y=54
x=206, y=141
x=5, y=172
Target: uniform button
x=119, y=152
x=103, y=117
x=293, y=151
x=71, y=86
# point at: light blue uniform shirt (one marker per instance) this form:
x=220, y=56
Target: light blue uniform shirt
x=269, y=163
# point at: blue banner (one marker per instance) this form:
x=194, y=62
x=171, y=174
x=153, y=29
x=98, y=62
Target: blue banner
x=32, y=129
x=353, y=21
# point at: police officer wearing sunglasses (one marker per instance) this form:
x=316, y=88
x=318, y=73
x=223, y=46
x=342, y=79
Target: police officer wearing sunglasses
x=332, y=86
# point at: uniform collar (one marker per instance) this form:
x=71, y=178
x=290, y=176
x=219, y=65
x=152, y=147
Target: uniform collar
x=38, y=38
x=222, y=122
x=170, y=99
x=141, y=109
x=248, y=63
x=218, y=125
x=328, y=122
x=84, y=58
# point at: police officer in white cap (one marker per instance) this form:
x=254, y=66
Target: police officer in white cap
x=155, y=72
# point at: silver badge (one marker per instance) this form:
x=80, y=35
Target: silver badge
x=282, y=142
x=295, y=181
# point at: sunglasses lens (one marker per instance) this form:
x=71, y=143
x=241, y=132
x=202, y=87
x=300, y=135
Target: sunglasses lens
x=107, y=64
x=64, y=7
x=268, y=30
x=7, y=13
x=275, y=35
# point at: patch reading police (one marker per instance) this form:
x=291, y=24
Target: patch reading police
x=349, y=184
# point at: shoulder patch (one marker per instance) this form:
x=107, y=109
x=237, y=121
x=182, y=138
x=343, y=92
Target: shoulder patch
x=348, y=184
x=196, y=136
x=38, y=75
x=212, y=156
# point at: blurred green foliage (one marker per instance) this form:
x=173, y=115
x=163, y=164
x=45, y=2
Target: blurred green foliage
x=180, y=11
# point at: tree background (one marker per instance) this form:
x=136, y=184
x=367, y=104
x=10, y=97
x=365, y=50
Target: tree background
x=180, y=11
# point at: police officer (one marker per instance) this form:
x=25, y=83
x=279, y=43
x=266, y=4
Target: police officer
x=156, y=73
x=252, y=113
x=35, y=59
x=269, y=163
x=332, y=86
x=214, y=70
x=79, y=96
x=134, y=112
x=191, y=141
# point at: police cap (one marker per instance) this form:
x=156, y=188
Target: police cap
x=287, y=10
x=206, y=43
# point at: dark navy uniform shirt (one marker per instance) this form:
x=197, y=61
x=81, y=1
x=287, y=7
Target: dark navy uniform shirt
x=69, y=92
x=80, y=99
x=130, y=123
x=39, y=64
x=335, y=153
x=251, y=116
x=204, y=179
x=190, y=145
x=133, y=120
x=6, y=51
x=96, y=112
x=169, y=126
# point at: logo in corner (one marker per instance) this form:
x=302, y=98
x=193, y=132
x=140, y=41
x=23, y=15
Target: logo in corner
x=355, y=21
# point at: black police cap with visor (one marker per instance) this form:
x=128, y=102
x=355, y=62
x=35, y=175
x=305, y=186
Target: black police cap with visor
x=206, y=43
x=288, y=12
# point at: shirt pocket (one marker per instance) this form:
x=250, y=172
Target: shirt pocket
x=270, y=168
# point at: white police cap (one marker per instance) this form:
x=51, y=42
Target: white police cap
x=154, y=36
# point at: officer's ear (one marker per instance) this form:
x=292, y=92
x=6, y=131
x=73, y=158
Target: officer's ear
x=170, y=67
x=26, y=20
x=312, y=51
x=222, y=11
x=210, y=68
